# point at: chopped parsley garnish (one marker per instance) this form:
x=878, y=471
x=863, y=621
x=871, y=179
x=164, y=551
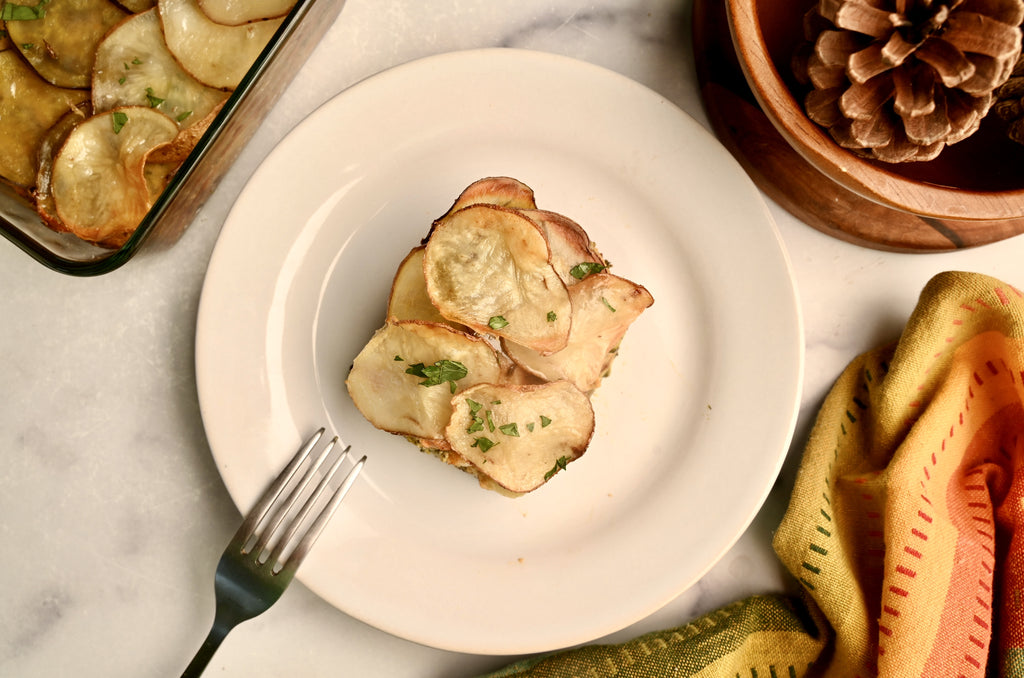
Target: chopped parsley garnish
x=529, y=427
x=154, y=100
x=28, y=45
x=484, y=444
x=441, y=372
x=13, y=12
x=497, y=322
x=510, y=430
x=559, y=466
x=137, y=61
x=182, y=116
x=490, y=421
x=399, y=359
x=605, y=302
x=585, y=268
x=121, y=80
x=552, y=316
x=478, y=422
x=544, y=421
x=118, y=120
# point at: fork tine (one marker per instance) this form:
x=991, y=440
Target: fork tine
x=258, y=512
x=301, y=549
x=284, y=508
x=297, y=520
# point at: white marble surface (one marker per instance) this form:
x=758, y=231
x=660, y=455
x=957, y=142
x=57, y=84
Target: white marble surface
x=112, y=515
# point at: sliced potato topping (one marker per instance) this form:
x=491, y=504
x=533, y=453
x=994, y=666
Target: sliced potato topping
x=488, y=268
x=135, y=68
x=237, y=12
x=99, y=183
x=408, y=299
x=551, y=332
x=403, y=379
x=573, y=255
x=500, y=191
x=603, y=308
x=137, y=6
x=29, y=106
x=212, y=53
x=61, y=44
x=520, y=436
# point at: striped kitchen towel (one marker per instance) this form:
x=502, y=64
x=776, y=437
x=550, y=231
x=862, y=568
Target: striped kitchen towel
x=901, y=529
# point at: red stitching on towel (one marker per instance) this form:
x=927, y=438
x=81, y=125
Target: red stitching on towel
x=981, y=622
x=982, y=302
x=913, y=552
x=898, y=591
x=918, y=533
x=885, y=629
x=974, y=662
x=905, y=570
x=893, y=612
x=976, y=642
x=1002, y=295
x=927, y=518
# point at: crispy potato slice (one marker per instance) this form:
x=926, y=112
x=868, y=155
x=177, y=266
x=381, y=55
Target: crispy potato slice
x=238, y=12
x=29, y=106
x=48, y=149
x=603, y=308
x=392, y=399
x=488, y=268
x=212, y=53
x=501, y=191
x=134, y=68
x=520, y=436
x=99, y=184
x=408, y=299
x=61, y=44
x=137, y=6
x=569, y=244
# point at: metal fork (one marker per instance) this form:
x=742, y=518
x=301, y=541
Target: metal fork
x=261, y=561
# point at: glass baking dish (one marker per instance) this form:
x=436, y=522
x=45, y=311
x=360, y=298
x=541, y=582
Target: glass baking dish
x=195, y=180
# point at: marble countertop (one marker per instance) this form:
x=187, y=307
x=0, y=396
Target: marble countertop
x=112, y=513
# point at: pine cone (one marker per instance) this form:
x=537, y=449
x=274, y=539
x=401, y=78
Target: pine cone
x=898, y=80
x=1009, y=105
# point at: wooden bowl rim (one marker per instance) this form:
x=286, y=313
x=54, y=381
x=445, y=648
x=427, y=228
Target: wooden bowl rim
x=850, y=171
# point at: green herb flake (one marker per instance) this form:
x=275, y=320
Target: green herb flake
x=485, y=444
x=137, y=61
x=477, y=425
x=585, y=268
x=127, y=67
x=474, y=406
x=552, y=316
x=605, y=302
x=560, y=465
x=181, y=117
x=529, y=427
x=497, y=322
x=121, y=80
x=118, y=120
x=441, y=372
x=28, y=45
x=510, y=429
x=13, y=12
x=544, y=421
x=490, y=421
x=154, y=100
x=399, y=359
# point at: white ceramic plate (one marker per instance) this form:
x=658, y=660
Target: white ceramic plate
x=692, y=426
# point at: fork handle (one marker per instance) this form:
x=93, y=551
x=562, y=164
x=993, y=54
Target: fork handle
x=206, y=651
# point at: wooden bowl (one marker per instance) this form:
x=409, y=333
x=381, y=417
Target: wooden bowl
x=973, y=193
